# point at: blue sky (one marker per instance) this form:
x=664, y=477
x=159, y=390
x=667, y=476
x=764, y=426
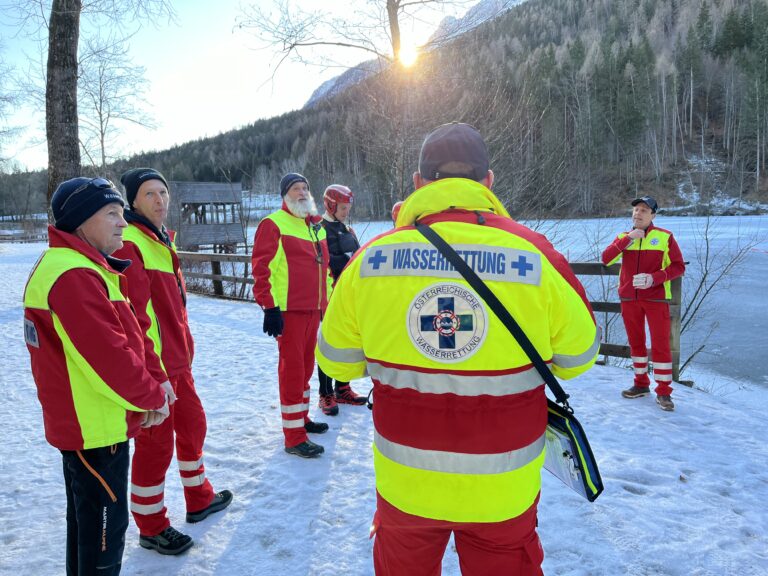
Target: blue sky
x=203, y=77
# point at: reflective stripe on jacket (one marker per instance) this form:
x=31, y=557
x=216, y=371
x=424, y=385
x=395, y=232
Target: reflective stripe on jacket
x=290, y=263
x=156, y=289
x=459, y=411
x=86, y=348
x=657, y=254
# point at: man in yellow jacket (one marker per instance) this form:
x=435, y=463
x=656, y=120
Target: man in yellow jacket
x=459, y=410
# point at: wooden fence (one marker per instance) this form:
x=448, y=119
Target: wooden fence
x=239, y=287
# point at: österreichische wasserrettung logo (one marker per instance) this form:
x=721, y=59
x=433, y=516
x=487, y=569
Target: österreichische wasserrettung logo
x=447, y=322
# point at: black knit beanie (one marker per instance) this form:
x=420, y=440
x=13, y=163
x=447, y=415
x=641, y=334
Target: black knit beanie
x=76, y=200
x=134, y=178
x=289, y=180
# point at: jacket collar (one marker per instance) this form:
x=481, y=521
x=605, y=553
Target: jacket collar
x=447, y=194
x=133, y=217
x=59, y=239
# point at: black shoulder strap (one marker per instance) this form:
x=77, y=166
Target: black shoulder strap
x=498, y=308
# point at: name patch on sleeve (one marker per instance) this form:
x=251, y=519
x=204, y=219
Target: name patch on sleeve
x=30, y=333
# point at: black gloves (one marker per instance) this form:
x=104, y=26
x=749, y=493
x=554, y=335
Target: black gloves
x=273, y=321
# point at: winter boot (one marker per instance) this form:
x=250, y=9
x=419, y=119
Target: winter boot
x=315, y=427
x=327, y=404
x=665, y=402
x=306, y=449
x=636, y=392
x=220, y=501
x=345, y=395
x=169, y=542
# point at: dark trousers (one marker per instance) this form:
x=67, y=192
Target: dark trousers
x=326, y=383
x=96, y=482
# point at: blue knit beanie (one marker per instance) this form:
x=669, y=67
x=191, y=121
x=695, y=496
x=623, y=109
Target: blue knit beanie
x=289, y=180
x=76, y=200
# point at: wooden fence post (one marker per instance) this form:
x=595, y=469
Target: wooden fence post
x=675, y=310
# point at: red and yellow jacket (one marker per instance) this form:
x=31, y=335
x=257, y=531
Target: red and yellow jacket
x=86, y=347
x=290, y=263
x=459, y=410
x=657, y=254
x=157, y=291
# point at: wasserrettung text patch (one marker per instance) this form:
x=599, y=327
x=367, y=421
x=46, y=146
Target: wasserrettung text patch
x=415, y=259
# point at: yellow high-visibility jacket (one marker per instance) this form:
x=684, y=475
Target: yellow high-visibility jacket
x=460, y=412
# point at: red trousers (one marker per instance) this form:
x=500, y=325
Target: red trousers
x=153, y=454
x=408, y=545
x=295, y=368
x=635, y=313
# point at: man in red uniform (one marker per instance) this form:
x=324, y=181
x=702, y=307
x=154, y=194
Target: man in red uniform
x=87, y=355
x=291, y=280
x=156, y=290
x=650, y=259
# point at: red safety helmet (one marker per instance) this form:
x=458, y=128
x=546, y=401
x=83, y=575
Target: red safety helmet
x=334, y=195
x=396, y=210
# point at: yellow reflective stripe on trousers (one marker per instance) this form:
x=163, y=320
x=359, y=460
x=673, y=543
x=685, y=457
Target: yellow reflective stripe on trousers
x=461, y=385
x=576, y=360
x=458, y=497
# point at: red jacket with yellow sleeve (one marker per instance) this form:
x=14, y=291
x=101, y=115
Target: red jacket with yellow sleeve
x=657, y=254
x=86, y=347
x=290, y=263
x=157, y=291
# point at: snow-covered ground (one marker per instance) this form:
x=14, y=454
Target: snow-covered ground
x=685, y=491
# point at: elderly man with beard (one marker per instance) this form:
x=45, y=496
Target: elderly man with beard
x=291, y=283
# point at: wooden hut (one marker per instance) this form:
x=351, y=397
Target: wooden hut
x=206, y=215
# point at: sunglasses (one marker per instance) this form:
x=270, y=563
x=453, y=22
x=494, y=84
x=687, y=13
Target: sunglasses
x=98, y=183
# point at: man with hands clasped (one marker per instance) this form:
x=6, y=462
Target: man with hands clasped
x=650, y=259
x=87, y=358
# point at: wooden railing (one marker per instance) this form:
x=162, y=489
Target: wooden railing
x=240, y=282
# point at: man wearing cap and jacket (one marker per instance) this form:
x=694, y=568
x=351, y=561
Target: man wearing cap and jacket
x=650, y=259
x=87, y=354
x=459, y=410
x=157, y=292
x=291, y=284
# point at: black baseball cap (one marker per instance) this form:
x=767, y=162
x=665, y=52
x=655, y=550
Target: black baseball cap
x=647, y=200
x=454, y=150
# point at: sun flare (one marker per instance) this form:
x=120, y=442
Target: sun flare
x=409, y=53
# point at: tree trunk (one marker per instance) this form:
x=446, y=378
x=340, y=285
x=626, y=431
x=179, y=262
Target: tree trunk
x=61, y=93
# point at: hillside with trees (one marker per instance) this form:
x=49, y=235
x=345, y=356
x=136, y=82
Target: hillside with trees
x=584, y=104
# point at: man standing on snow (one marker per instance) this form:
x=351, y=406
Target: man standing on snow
x=342, y=243
x=291, y=282
x=459, y=410
x=87, y=354
x=157, y=292
x=650, y=259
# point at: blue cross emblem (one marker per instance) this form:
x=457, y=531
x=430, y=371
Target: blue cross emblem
x=377, y=259
x=521, y=265
x=446, y=323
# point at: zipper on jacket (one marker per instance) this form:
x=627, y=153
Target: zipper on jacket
x=639, y=253
x=319, y=259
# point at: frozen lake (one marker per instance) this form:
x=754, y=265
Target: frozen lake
x=732, y=324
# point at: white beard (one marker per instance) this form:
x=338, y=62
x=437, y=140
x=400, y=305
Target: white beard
x=303, y=207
